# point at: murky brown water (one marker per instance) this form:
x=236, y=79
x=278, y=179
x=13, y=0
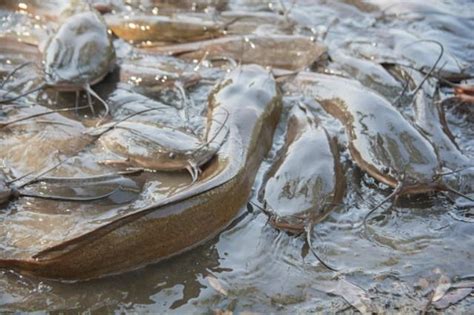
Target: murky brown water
x=251, y=267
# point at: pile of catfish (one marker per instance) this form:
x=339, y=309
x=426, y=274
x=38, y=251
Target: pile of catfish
x=95, y=103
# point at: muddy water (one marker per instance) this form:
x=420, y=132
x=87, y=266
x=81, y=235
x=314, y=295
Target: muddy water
x=250, y=266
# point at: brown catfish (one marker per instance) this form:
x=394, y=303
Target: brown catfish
x=48, y=9
x=306, y=181
x=51, y=10
x=381, y=141
x=249, y=96
x=159, y=28
x=278, y=51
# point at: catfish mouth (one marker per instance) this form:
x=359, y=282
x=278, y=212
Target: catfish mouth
x=179, y=164
x=162, y=165
x=63, y=85
x=166, y=164
x=186, y=159
x=291, y=224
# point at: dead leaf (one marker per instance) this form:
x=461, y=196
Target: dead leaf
x=216, y=285
x=444, y=283
x=452, y=297
x=354, y=295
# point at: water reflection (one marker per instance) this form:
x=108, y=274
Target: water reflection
x=251, y=266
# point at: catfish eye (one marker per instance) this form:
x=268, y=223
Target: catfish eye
x=172, y=155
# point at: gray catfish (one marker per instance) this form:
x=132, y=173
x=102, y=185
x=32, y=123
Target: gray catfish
x=305, y=182
x=79, y=55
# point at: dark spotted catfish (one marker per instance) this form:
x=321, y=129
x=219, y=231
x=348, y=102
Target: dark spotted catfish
x=381, y=141
x=249, y=97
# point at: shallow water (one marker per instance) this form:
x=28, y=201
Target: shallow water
x=251, y=267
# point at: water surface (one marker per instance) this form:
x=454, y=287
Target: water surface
x=251, y=267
